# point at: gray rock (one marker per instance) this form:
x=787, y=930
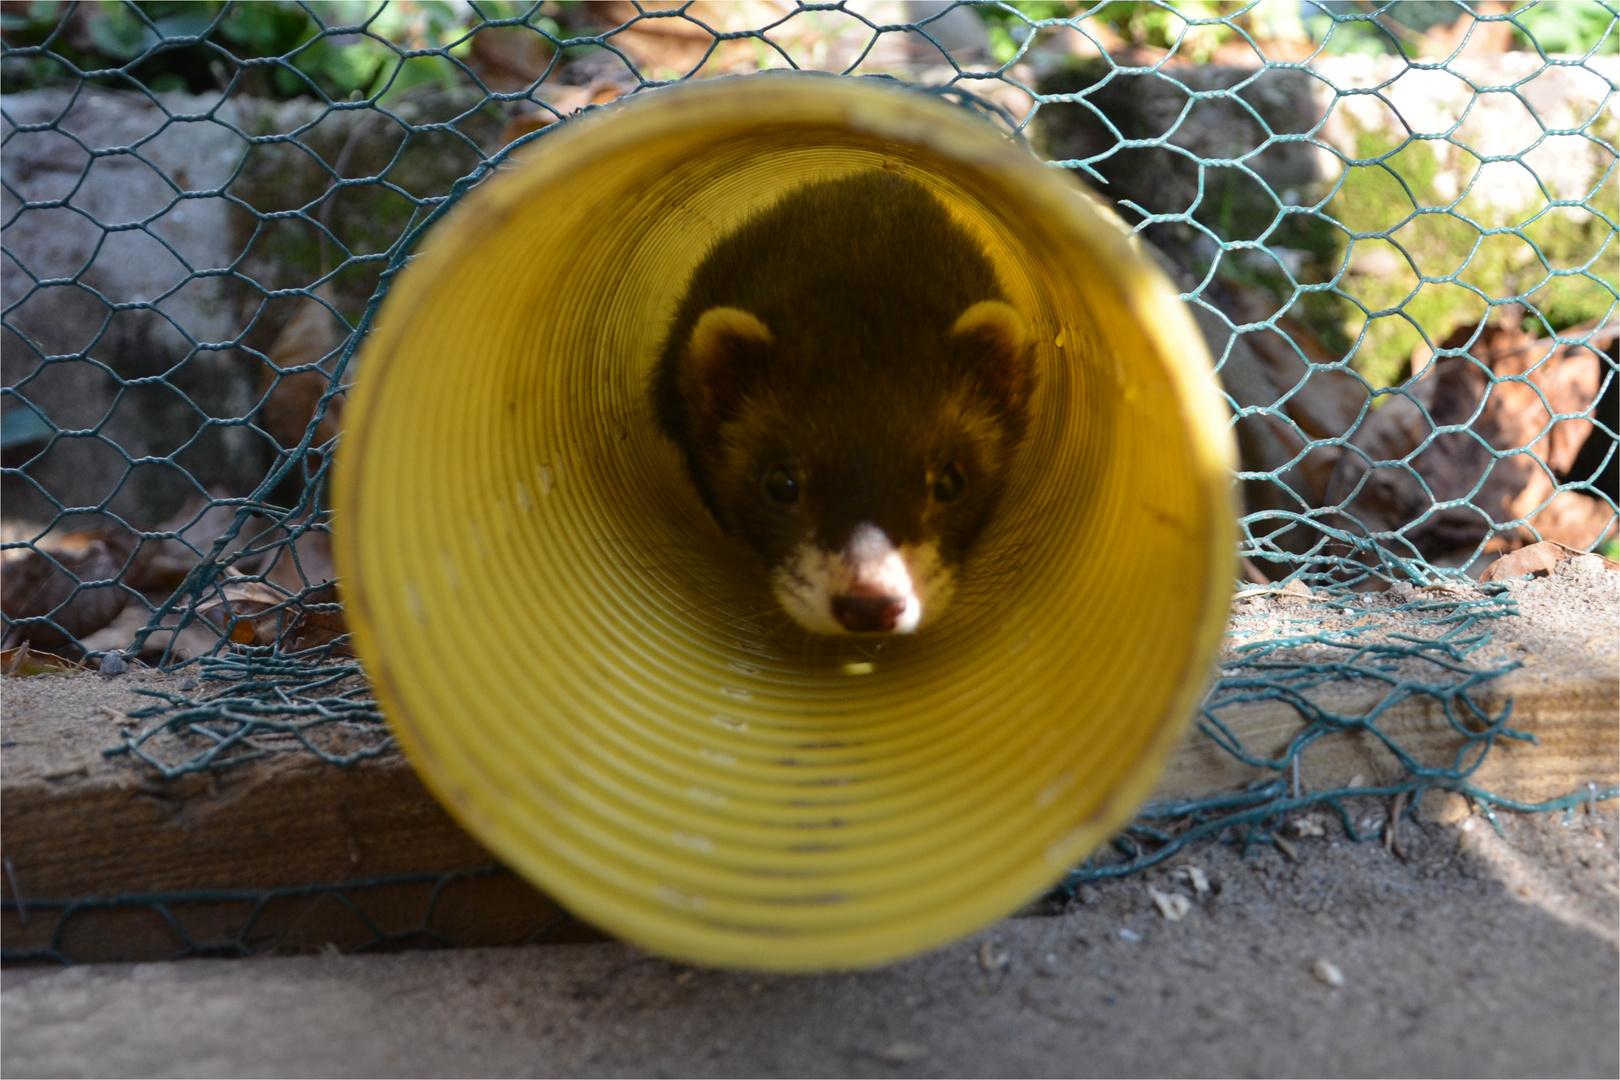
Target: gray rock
x=1213, y=148
x=112, y=207
x=143, y=234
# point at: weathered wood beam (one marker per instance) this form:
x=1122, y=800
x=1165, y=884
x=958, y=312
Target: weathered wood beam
x=79, y=824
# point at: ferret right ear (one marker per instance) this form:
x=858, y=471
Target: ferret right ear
x=719, y=361
x=1000, y=346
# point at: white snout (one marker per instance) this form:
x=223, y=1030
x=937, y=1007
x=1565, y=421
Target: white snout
x=873, y=584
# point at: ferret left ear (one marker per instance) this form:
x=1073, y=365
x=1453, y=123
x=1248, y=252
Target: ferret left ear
x=999, y=345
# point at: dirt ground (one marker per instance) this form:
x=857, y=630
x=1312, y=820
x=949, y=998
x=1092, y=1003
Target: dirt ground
x=1479, y=955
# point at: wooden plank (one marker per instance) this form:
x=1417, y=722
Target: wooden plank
x=1565, y=641
x=79, y=824
x=1574, y=718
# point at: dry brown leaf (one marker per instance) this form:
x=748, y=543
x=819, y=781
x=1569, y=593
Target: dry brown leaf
x=24, y=662
x=284, y=604
x=315, y=628
x=255, y=612
x=726, y=16
x=197, y=639
x=301, y=562
x=1468, y=33
x=509, y=58
x=235, y=608
x=566, y=100
x=1324, y=403
x=524, y=124
x=45, y=581
x=309, y=339
x=1268, y=369
x=1504, y=416
x=1536, y=559
x=1570, y=518
x=199, y=524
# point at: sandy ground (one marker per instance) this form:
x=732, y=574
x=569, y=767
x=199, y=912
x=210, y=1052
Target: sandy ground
x=1476, y=956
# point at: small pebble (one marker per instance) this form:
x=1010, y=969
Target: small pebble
x=188, y=683
x=1173, y=906
x=899, y=1053
x=992, y=957
x=112, y=664
x=1196, y=878
x=1310, y=825
x=1089, y=895
x=1327, y=972
x=1128, y=934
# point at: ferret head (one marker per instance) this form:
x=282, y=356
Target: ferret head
x=862, y=480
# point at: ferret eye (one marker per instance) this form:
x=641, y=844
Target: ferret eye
x=949, y=484
x=781, y=487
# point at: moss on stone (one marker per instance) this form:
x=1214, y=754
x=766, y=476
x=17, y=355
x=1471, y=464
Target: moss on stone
x=1422, y=263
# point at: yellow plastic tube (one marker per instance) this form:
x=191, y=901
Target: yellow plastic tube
x=598, y=684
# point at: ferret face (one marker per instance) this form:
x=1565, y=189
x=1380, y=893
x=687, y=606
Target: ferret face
x=848, y=387
x=863, y=487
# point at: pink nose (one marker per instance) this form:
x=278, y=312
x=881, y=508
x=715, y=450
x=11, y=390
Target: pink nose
x=868, y=614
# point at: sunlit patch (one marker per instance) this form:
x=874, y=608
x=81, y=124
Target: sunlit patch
x=869, y=587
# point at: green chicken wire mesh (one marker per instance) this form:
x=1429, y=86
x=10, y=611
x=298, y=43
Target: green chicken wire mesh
x=1395, y=222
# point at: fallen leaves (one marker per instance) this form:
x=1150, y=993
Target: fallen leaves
x=65, y=586
x=297, y=377
x=1468, y=455
x=69, y=589
x=1536, y=560
x=1447, y=492
x=508, y=59
x=25, y=662
x=250, y=611
x=560, y=102
x=278, y=587
x=206, y=517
